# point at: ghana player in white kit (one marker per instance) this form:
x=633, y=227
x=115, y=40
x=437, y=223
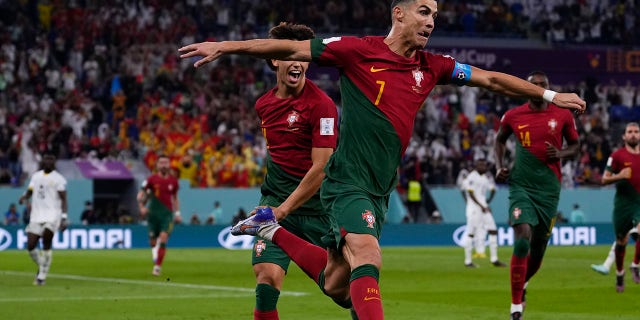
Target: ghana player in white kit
x=48, y=190
x=479, y=217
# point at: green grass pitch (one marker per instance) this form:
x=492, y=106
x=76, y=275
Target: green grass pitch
x=416, y=283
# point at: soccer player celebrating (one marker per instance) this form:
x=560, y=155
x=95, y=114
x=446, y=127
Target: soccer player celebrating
x=622, y=168
x=479, y=215
x=534, y=181
x=384, y=81
x=299, y=122
x=48, y=213
x=160, y=190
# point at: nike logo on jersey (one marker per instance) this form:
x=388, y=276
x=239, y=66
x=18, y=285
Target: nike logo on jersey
x=374, y=69
x=522, y=126
x=627, y=164
x=371, y=298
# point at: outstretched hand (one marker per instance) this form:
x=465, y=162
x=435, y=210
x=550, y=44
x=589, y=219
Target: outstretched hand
x=209, y=51
x=570, y=101
x=502, y=175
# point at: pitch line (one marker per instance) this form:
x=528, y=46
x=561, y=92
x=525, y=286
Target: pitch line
x=148, y=283
x=116, y=298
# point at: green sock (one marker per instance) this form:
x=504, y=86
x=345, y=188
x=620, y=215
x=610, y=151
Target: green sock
x=266, y=297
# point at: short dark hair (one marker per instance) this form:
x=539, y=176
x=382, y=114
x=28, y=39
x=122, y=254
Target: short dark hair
x=537, y=73
x=397, y=2
x=290, y=31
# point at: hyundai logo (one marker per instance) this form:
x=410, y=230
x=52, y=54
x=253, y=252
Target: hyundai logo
x=5, y=239
x=229, y=241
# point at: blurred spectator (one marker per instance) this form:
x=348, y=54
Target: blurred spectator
x=241, y=215
x=195, y=220
x=88, y=215
x=12, y=217
x=216, y=214
x=576, y=216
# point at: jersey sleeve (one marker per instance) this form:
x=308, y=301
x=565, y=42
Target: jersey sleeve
x=333, y=51
x=62, y=184
x=325, y=125
x=505, y=122
x=32, y=182
x=613, y=165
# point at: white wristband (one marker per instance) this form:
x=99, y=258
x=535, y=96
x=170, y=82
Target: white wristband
x=548, y=95
x=177, y=213
x=64, y=216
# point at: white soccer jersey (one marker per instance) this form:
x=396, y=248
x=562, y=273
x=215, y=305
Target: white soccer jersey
x=45, y=200
x=480, y=184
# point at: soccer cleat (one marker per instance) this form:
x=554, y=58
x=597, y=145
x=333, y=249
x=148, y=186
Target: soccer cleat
x=471, y=265
x=38, y=282
x=499, y=264
x=620, y=283
x=635, y=273
x=156, y=270
x=479, y=255
x=250, y=226
x=600, y=268
x=516, y=316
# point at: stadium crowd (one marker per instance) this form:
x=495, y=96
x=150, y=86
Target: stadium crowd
x=102, y=79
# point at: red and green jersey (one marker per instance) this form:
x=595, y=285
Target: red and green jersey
x=160, y=190
x=627, y=191
x=381, y=94
x=292, y=127
x=532, y=129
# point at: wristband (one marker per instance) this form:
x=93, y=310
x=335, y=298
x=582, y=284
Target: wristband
x=548, y=95
x=64, y=216
x=177, y=213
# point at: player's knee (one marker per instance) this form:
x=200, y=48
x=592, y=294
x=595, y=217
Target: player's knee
x=521, y=247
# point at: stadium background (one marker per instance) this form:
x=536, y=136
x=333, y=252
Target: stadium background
x=100, y=84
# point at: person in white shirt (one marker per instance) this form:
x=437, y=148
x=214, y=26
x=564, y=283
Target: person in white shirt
x=48, y=213
x=479, y=217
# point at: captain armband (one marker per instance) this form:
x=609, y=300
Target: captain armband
x=461, y=74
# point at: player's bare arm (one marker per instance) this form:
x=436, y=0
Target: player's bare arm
x=177, y=217
x=500, y=146
x=518, y=88
x=609, y=177
x=142, y=201
x=309, y=185
x=63, y=204
x=554, y=154
x=258, y=48
x=26, y=196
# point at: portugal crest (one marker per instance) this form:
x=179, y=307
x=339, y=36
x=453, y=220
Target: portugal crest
x=292, y=118
x=260, y=246
x=369, y=218
x=552, y=124
x=517, y=212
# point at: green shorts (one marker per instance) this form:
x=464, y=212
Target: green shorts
x=539, y=211
x=159, y=222
x=352, y=210
x=625, y=217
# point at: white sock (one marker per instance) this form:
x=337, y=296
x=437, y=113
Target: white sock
x=468, y=247
x=36, y=257
x=154, y=251
x=46, y=264
x=268, y=231
x=480, y=242
x=493, y=247
x=516, y=308
x=611, y=258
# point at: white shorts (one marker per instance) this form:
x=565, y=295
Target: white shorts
x=37, y=228
x=478, y=221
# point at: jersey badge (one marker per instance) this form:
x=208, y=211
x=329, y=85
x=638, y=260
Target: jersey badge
x=326, y=126
x=418, y=76
x=553, y=124
x=260, y=247
x=369, y=218
x=292, y=118
x=516, y=213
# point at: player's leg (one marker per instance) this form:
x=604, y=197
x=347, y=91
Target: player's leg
x=539, y=242
x=621, y=224
x=34, y=232
x=519, y=264
x=468, y=239
x=480, y=240
x=490, y=225
x=606, y=265
x=635, y=265
x=47, y=253
x=269, y=277
x=162, y=240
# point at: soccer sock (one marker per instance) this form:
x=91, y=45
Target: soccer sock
x=365, y=292
x=35, y=256
x=154, y=251
x=636, y=256
x=479, y=241
x=620, y=250
x=611, y=257
x=519, y=261
x=266, y=301
x=310, y=258
x=161, y=251
x=468, y=247
x=493, y=247
x=47, y=257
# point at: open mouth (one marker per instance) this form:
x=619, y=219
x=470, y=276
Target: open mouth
x=424, y=34
x=294, y=75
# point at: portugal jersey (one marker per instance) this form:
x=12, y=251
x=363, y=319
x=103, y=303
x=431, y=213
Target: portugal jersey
x=160, y=191
x=46, y=205
x=292, y=127
x=533, y=128
x=381, y=94
x=627, y=191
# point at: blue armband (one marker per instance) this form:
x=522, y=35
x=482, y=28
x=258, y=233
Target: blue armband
x=461, y=74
